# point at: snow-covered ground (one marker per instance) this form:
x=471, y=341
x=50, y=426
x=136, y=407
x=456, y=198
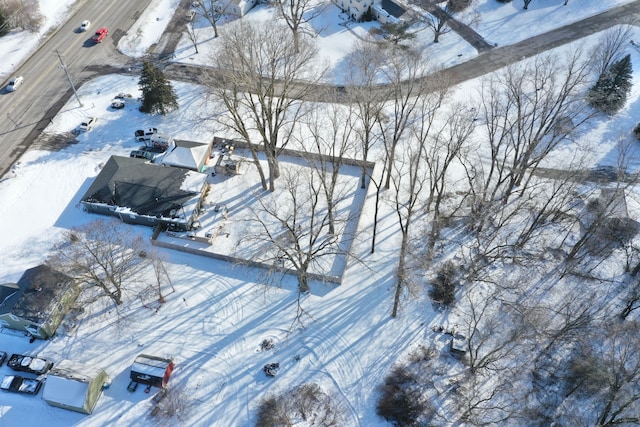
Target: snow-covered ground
x=214, y=321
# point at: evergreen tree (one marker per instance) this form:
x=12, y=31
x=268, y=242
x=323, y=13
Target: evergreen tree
x=397, y=31
x=610, y=92
x=158, y=95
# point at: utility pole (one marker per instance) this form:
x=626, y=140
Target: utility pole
x=64, y=68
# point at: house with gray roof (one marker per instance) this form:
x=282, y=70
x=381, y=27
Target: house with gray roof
x=38, y=302
x=139, y=192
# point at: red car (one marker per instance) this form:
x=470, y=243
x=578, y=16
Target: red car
x=100, y=35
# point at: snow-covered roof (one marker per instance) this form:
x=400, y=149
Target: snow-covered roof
x=186, y=154
x=150, y=365
x=66, y=391
x=75, y=371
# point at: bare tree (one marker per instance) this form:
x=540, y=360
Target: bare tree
x=193, y=35
x=610, y=48
x=438, y=20
x=404, y=67
x=408, y=181
x=364, y=64
x=102, y=255
x=445, y=146
x=526, y=4
x=527, y=111
x=294, y=225
x=22, y=14
x=259, y=87
x=492, y=329
x=605, y=375
x=330, y=128
x=296, y=14
x=211, y=11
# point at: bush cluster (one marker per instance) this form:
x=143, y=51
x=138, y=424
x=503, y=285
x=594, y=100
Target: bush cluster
x=443, y=288
x=401, y=402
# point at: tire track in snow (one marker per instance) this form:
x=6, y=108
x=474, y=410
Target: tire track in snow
x=328, y=348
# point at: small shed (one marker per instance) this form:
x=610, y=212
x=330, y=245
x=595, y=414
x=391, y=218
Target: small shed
x=74, y=386
x=458, y=345
x=152, y=370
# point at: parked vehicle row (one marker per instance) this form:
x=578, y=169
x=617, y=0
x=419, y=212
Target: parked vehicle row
x=30, y=364
x=27, y=364
x=18, y=384
x=153, y=138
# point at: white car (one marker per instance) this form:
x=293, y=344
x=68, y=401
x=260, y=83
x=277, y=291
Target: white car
x=15, y=83
x=87, y=125
x=85, y=26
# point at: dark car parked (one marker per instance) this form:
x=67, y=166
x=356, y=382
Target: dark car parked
x=18, y=384
x=3, y=357
x=33, y=365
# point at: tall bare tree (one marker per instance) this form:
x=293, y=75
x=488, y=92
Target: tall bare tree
x=293, y=225
x=296, y=14
x=330, y=128
x=364, y=64
x=444, y=147
x=102, y=255
x=527, y=111
x=211, y=11
x=259, y=87
x=610, y=48
x=192, y=35
x=401, y=73
x=605, y=377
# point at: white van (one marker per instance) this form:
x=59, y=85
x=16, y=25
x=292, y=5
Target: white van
x=159, y=140
x=143, y=135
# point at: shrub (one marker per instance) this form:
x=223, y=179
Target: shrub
x=455, y=6
x=273, y=412
x=443, y=288
x=171, y=403
x=308, y=403
x=401, y=402
x=636, y=131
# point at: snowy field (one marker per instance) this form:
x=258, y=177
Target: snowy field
x=217, y=314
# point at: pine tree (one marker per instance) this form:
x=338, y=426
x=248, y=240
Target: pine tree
x=158, y=95
x=610, y=92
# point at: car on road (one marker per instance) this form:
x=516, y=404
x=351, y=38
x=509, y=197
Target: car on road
x=88, y=124
x=100, y=35
x=3, y=357
x=30, y=364
x=15, y=83
x=18, y=384
x=84, y=26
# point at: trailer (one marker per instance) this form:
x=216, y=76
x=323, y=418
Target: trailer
x=150, y=370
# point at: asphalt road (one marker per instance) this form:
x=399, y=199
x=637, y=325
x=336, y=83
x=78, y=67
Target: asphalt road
x=27, y=111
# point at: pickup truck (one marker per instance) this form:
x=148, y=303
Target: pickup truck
x=31, y=364
x=100, y=35
x=18, y=384
x=149, y=153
